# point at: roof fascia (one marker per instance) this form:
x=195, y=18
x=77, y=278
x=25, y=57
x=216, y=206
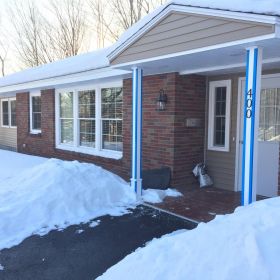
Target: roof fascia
x=67, y=79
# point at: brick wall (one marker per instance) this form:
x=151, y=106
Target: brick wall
x=188, y=141
x=166, y=139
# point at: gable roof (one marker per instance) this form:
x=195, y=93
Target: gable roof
x=255, y=10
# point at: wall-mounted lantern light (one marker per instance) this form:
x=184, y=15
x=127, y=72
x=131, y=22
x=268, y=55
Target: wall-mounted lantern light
x=161, y=101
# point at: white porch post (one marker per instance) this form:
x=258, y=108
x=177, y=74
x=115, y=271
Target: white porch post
x=136, y=176
x=251, y=124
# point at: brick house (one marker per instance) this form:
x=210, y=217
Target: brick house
x=102, y=107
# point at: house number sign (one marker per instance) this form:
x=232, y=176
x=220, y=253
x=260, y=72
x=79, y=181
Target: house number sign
x=249, y=104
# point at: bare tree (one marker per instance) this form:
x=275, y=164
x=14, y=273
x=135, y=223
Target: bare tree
x=42, y=38
x=3, y=56
x=115, y=16
x=30, y=40
x=69, y=31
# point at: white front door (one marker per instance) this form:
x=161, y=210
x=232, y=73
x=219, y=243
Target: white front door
x=269, y=136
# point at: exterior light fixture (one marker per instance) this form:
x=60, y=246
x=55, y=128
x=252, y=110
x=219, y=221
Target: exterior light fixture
x=161, y=101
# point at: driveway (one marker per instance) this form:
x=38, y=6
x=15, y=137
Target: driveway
x=82, y=252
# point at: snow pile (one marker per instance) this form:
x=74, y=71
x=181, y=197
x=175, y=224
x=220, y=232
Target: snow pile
x=157, y=196
x=12, y=163
x=243, y=245
x=56, y=194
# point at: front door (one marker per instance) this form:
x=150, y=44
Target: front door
x=268, y=136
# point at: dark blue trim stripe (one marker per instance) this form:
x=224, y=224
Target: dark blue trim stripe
x=244, y=129
x=141, y=120
x=253, y=124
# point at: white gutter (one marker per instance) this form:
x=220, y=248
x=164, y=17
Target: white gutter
x=67, y=79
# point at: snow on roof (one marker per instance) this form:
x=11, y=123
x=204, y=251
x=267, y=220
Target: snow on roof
x=99, y=59
x=266, y=7
x=75, y=64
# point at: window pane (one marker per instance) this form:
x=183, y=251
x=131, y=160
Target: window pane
x=87, y=133
x=66, y=105
x=87, y=104
x=112, y=135
x=220, y=116
x=111, y=99
x=13, y=113
x=36, y=112
x=66, y=131
x=269, y=115
x=5, y=113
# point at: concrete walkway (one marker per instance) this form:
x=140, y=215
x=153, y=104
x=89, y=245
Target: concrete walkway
x=71, y=255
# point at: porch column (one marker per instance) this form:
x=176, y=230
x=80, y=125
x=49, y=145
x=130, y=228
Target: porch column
x=136, y=176
x=251, y=123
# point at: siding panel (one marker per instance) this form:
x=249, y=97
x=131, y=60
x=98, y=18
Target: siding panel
x=8, y=136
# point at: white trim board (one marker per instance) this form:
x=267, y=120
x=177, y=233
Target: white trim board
x=247, y=41
x=87, y=76
x=225, y=67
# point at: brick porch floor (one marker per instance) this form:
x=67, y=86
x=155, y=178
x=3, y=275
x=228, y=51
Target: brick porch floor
x=202, y=205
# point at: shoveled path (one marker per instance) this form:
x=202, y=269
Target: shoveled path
x=71, y=255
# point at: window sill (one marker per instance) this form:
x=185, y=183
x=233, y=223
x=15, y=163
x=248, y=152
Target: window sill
x=35, y=132
x=91, y=151
x=218, y=149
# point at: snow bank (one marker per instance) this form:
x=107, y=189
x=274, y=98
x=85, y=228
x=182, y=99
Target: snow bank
x=243, y=245
x=56, y=194
x=11, y=163
x=157, y=196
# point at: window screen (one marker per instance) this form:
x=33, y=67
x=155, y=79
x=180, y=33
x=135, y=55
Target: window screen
x=111, y=114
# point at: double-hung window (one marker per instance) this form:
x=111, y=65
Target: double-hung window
x=219, y=115
x=111, y=113
x=89, y=120
x=35, y=112
x=8, y=112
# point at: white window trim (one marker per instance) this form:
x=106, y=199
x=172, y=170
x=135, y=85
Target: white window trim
x=9, y=112
x=97, y=151
x=211, y=114
x=32, y=94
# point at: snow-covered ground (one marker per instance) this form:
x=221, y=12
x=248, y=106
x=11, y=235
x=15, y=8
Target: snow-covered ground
x=39, y=194
x=243, y=245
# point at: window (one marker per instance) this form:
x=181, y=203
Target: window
x=90, y=120
x=35, y=112
x=66, y=118
x=111, y=100
x=87, y=118
x=269, y=119
x=219, y=115
x=8, y=109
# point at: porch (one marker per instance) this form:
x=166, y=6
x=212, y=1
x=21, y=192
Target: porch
x=202, y=204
